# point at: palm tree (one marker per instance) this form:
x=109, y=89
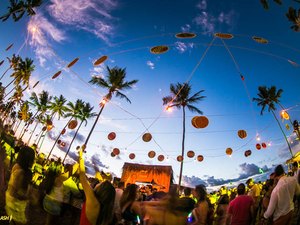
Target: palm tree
x=180, y=98
x=18, y=8
x=57, y=107
x=41, y=102
x=114, y=83
x=72, y=111
x=22, y=72
x=269, y=97
x=85, y=114
x=294, y=17
x=13, y=62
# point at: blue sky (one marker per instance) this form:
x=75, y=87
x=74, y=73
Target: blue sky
x=125, y=31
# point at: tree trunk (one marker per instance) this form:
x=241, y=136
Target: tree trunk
x=28, y=142
x=29, y=124
x=91, y=131
x=282, y=132
x=182, y=146
x=58, y=138
x=10, y=82
x=5, y=72
x=72, y=141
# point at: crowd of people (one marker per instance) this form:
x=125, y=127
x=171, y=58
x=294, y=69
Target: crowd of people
x=29, y=180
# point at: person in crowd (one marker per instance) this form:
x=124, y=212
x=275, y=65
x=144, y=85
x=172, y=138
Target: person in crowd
x=281, y=205
x=254, y=192
x=119, y=193
x=129, y=204
x=240, y=210
x=17, y=194
x=54, y=193
x=221, y=210
x=295, y=169
x=267, y=190
x=99, y=204
x=201, y=211
x=168, y=210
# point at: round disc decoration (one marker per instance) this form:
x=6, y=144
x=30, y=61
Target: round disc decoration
x=56, y=75
x=260, y=40
x=224, y=35
x=160, y=158
x=151, y=154
x=159, y=49
x=247, y=153
x=73, y=62
x=200, y=158
x=190, y=154
x=58, y=142
x=242, y=134
x=293, y=63
x=228, y=151
x=73, y=124
x=63, y=131
x=258, y=146
x=185, y=35
x=112, y=154
x=9, y=47
x=263, y=145
x=100, y=60
x=62, y=144
x=180, y=158
x=200, y=121
x=131, y=156
x=1, y=62
x=44, y=128
x=147, y=137
x=116, y=151
x=49, y=127
x=111, y=136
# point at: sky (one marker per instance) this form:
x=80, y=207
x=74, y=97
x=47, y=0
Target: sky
x=125, y=32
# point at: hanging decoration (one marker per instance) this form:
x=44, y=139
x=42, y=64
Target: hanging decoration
x=147, y=137
x=242, y=134
x=44, y=128
x=247, y=153
x=59, y=141
x=56, y=75
x=284, y=115
x=116, y=151
x=185, y=35
x=151, y=154
x=73, y=62
x=228, y=151
x=200, y=158
x=260, y=40
x=180, y=158
x=111, y=136
x=131, y=156
x=112, y=154
x=100, y=60
x=258, y=146
x=63, y=131
x=263, y=145
x=159, y=49
x=36, y=84
x=1, y=62
x=160, y=158
x=200, y=121
x=190, y=154
x=287, y=126
x=9, y=47
x=224, y=35
x=63, y=144
x=293, y=63
x=73, y=124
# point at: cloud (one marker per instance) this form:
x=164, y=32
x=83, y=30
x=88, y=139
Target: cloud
x=210, y=22
x=79, y=137
x=186, y=28
x=89, y=15
x=183, y=47
x=150, y=64
x=247, y=171
x=40, y=33
x=284, y=151
x=202, y=5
